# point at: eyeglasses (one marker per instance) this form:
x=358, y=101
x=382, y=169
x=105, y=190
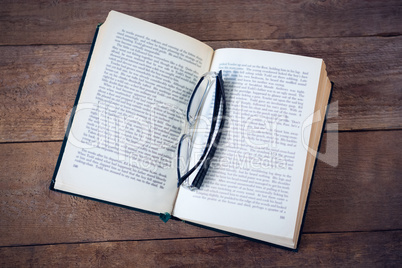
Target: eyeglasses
x=206, y=110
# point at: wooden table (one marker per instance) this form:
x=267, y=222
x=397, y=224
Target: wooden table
x=354, y=215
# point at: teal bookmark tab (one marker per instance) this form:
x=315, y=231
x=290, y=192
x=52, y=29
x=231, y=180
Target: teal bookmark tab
x=165, y=217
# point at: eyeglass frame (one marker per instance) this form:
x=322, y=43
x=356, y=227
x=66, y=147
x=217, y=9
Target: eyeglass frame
x=210, y=148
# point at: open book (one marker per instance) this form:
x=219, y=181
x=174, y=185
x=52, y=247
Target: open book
x=121, y=143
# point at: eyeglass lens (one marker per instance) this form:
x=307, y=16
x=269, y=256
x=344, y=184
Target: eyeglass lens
x=199, y=97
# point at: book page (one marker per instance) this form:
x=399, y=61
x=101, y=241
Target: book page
x=254, y=182
x=122, y=144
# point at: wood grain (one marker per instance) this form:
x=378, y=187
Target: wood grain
x=39, y=83
x=38, y=89
x=71, y=22
x=351, y=249
x=362, y=193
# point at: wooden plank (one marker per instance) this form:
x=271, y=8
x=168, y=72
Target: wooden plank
x=38, y=89
x=71, y=22
x=337, y=249
x=363, y=193
x=39, y=83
